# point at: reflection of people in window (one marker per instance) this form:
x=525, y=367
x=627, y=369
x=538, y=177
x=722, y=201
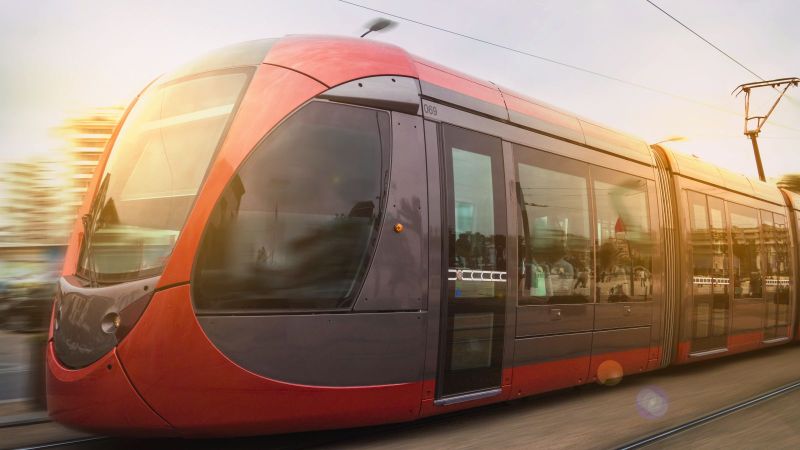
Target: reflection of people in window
x=536, y=283
x=562, y=275
x=606, y=259
x=581, y=274
x=755, y=285
x=463, y=250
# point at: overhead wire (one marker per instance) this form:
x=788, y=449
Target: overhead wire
x=726, y=54
x=556, y=62
x=706, y=40
x=543, y=58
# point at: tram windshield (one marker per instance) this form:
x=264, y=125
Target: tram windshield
x=154, y=172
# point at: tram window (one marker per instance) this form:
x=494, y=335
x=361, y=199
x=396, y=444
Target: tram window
x=770, y=253
x=154, y=172
x=776, y=249
x=746, y=252
x=784, y=269
x=710, y=280
x=474, y=242
x=555, y=255
x=776, y=273
x=720, y=253
x=295, y=227
x=624, y=245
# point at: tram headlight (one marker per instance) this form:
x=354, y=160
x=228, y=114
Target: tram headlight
x=110, y=323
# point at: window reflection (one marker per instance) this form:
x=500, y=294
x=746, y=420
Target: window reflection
x=746, y=252
x=710, y=281
x=555, y=258
x=293, y=229
x=477, y=253
x=624, y=244
x=474, y=201
x=777, y=281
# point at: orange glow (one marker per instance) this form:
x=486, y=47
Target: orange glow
x=609, y=373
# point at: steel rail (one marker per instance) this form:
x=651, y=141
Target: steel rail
x=702, y=420
x=63, y=443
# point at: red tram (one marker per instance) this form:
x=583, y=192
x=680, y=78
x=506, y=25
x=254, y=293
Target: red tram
x=323, y=232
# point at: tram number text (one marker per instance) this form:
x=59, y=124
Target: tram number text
x=429, y=109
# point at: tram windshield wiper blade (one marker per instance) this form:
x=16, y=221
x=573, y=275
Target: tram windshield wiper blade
x=90, y=221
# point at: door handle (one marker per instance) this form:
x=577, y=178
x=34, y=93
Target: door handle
x=626, y=310
x=555, y=314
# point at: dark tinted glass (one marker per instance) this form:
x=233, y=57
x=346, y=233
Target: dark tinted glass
x=746, y=252
x=624, y=243
x=295, y=227
x=555, y=255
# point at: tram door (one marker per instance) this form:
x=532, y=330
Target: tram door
x=711, y=281
x=473, y=310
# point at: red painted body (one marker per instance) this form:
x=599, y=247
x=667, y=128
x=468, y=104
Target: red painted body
x=549, y=376
x=99, y=398
x=335, y=60
x=737, y=343
x=463, y=84
x=167, y=378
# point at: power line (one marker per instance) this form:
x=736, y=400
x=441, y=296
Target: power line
x=542, y=58
x=560, y=63
x=706, y=40
x=715, y=47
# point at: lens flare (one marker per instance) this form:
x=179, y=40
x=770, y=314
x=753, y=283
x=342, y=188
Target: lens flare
x=652, y=403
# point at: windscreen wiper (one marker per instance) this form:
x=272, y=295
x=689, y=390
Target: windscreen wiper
x=90, y=221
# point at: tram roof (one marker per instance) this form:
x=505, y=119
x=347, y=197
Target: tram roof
x=334, y=60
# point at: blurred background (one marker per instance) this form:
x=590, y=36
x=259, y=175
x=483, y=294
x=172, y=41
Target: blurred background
x=69, y=68
x=38, y=206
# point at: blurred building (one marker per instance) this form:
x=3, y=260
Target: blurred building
x=36, y=204
x=42, y=195
x=87, y=135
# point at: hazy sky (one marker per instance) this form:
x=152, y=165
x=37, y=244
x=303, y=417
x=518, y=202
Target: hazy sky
x=62, y=56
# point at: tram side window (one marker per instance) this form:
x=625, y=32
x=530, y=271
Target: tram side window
x=710, y=281
x=777, y=269
x=624, y=243
x=784, y=272
x=555, y=255
x=784, y=259
x=776, y=249
x=295, y=228
x=746, y=252
x=770, y=253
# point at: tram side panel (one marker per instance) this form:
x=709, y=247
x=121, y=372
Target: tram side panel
x=793, y=201
x=629, y=270
x=560, y=338
x=737, y=272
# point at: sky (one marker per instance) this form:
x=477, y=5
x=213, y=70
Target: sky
x=60, y=57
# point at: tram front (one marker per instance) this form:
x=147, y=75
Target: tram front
x=234, y=213
x=147, y=185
